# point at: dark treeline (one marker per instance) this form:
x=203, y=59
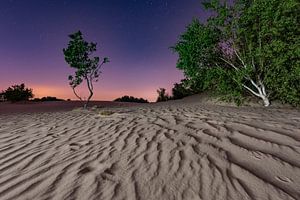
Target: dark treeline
x=179, y=91
x=48, y=98
x=131, y=99
x=20, y=92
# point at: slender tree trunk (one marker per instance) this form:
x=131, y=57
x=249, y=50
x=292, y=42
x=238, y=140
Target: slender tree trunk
x=90, y=87
x=266, y=101
x=74, y=91
x=76, y=94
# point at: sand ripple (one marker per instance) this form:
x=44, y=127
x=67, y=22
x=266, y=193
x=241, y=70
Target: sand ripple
x=163, y=152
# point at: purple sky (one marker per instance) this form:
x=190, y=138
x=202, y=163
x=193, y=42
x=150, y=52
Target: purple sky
x=134, y=34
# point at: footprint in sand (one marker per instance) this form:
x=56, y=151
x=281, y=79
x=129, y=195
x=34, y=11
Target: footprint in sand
x=52, y=135
x=284, y=179
x=51, y=128
x=257, y=155
x=85, y=170
x=104, y=170
x=77, y=145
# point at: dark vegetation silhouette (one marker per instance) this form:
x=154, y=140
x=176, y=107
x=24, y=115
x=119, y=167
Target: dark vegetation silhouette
x=48, y=98
x=2, y=97
x=79, y=56
x=17, y=93
x=162, y=95
x=131, y=99
x=181, y=90
x=245, y=48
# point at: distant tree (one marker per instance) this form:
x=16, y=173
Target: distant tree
x=17, y=93
x=131, y=99
x=48, y=98
x=162, y=95
x=180, y=90
x=2, y=97
x=78, y=56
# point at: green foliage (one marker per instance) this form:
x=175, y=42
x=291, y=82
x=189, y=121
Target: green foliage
x=17, y=93
x=79, y=56
x=196, y=49
x=199, y=60
x=162, y=95
x=131, y=99
x=272, y=28
x=248, y=45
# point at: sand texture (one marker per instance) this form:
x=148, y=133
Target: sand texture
x=164, y=151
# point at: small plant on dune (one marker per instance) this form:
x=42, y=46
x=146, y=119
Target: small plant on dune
x=106, y=113
x=78, y=56
x=17, y=93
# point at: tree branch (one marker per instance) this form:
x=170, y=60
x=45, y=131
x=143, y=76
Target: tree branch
x=255, y=93
x=237, y=54
x=229, y=63
x=90, y=89
x=263, y=87
x=97, y=68
x=256, y=86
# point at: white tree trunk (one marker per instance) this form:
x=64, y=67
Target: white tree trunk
x=266, y=102
x=260, y=87
x=261, y=91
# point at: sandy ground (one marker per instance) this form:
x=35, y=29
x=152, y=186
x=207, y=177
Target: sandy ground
x=33, y=107
x=174, y=150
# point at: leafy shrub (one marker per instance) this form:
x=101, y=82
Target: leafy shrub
x=162, y=95
x=181, y=90
x=131, y=99
x=18, y=93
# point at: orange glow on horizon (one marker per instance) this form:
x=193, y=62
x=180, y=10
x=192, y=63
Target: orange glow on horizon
x=40, y=91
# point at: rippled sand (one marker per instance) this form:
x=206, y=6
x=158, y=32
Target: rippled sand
x=179, y=150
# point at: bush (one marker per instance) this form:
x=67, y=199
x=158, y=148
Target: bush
x=181, y=90
x=2, y=97
x=48, y=98
x=162, y=95
x=131, y=99
x=17, y=93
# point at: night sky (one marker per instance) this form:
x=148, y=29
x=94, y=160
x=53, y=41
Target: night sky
x=134, y=34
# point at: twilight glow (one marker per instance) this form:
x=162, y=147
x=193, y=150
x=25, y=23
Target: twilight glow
x=134, y=34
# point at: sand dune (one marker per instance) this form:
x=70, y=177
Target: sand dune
x=164, y=151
